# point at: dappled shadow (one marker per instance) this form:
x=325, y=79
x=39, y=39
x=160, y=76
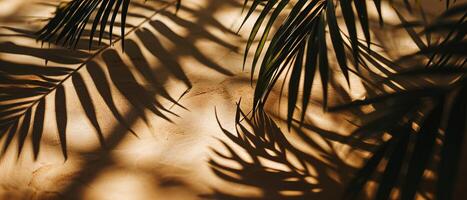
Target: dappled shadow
x=27, y=88
x=295, y=172
x=43, y=80
x=399, y=120
x=271, y=161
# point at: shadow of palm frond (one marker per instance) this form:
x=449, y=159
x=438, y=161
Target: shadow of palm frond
x=25, y=87
x=414, y=124
x=269, y=162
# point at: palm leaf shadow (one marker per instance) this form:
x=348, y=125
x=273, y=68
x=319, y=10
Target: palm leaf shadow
x=92, y=167
x=415, y=89
x=102, y=77
x=264, y=142
x=22, y=95
x=30, y=101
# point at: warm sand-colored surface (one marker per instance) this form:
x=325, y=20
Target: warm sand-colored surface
x=171, y=158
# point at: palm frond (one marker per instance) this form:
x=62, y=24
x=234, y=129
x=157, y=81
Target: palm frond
x=418, y=159
x=438, y=102
x=299, y=44
x=70, y=21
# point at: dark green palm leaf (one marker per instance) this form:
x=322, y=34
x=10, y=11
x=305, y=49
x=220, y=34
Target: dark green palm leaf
x=71, y=20
x=437, y=103
x=302, y=34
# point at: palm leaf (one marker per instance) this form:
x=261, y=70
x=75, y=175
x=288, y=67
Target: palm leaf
x=71, y=20
x=438, y=102
x=301, y=40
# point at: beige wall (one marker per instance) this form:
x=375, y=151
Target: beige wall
x=196, y=56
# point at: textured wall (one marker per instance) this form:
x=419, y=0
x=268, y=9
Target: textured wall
x=195, y=59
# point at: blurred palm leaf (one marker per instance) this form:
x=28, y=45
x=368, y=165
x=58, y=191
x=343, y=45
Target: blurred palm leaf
x=439, y=110
x=299, y=46
x=418, y=158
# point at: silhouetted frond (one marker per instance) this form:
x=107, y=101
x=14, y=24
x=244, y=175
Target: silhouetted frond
x=71, y=19
x=299, y=45
x=438, y=108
